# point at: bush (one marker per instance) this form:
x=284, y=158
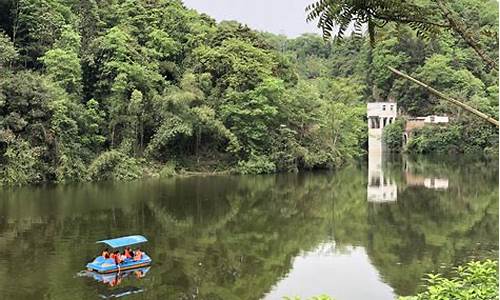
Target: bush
x=19, y=164
x=114, y=165
x=393, y=135
x=70, y=168
x=257, y=164
x=435, y=139
x=476, y=280
x=459, y=137
x=168, y=170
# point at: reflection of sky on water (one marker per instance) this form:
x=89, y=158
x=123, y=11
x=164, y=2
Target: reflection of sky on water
x=342, y=274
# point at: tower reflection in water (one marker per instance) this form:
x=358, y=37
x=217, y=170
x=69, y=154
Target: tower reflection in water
x=383, y=186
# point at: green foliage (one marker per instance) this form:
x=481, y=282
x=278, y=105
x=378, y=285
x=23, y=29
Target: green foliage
x=162, y=44
x=235, y=64
x=308, y=45
x=152, y=82
x=19, y=162
x=434, y=139
x=41, y=113
x=63, y=67
x=256, y=164
x=341, y=89
x=114, y=165
x=457, y=137
x=37, y=24
x=339, y=135
x=252, y=115
x=91, y=119
x=393, y=135
x=475, y=280
x=7, y=50
x=438, y=71
x=70, y=168
x=168, y=170
x=425, y=17
x=386, y=55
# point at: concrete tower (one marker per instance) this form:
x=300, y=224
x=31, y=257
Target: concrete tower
x=380, y=188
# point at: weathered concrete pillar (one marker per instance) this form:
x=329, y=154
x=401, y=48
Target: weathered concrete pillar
x=379, y=189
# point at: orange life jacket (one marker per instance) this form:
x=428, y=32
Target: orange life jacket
x=128, y=254
x=138, y=255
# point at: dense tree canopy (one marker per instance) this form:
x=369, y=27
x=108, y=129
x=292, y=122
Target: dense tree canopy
x=128, y=87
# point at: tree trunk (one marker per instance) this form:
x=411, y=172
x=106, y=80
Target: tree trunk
x=449, y=99
x=113, y=136
x=15, y=26
x=141, y=145
x=198, y=139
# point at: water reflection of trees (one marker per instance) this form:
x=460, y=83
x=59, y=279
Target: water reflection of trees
x=427, y=230
x=235, y=237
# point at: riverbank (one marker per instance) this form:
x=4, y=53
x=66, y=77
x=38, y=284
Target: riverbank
x=116, y=166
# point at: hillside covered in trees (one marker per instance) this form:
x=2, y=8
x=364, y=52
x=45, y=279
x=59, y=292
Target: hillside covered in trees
x=121, y=89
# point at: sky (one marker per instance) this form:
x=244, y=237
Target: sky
x=286, y=17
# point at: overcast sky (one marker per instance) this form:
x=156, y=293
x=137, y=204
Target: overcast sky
x=277, y=16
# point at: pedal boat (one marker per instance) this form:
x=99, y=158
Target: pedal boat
x=104, y=266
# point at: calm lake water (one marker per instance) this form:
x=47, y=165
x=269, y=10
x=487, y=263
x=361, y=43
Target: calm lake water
x=351, y=234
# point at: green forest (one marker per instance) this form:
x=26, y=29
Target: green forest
x=122, y=89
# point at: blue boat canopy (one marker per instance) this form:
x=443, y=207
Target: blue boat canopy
x=124, y=241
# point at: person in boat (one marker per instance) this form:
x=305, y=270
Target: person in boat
x=123, y=257
x=117, y=257
x=105, y=253
x=128, y=253
x=137, y=254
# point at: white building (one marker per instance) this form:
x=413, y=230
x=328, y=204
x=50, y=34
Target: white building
x=436, y=183
x=380, y=114
x=381, y=188
x=436, y=119
x=430, y=119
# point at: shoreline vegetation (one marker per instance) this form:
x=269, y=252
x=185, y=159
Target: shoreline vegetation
x=114, y=90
